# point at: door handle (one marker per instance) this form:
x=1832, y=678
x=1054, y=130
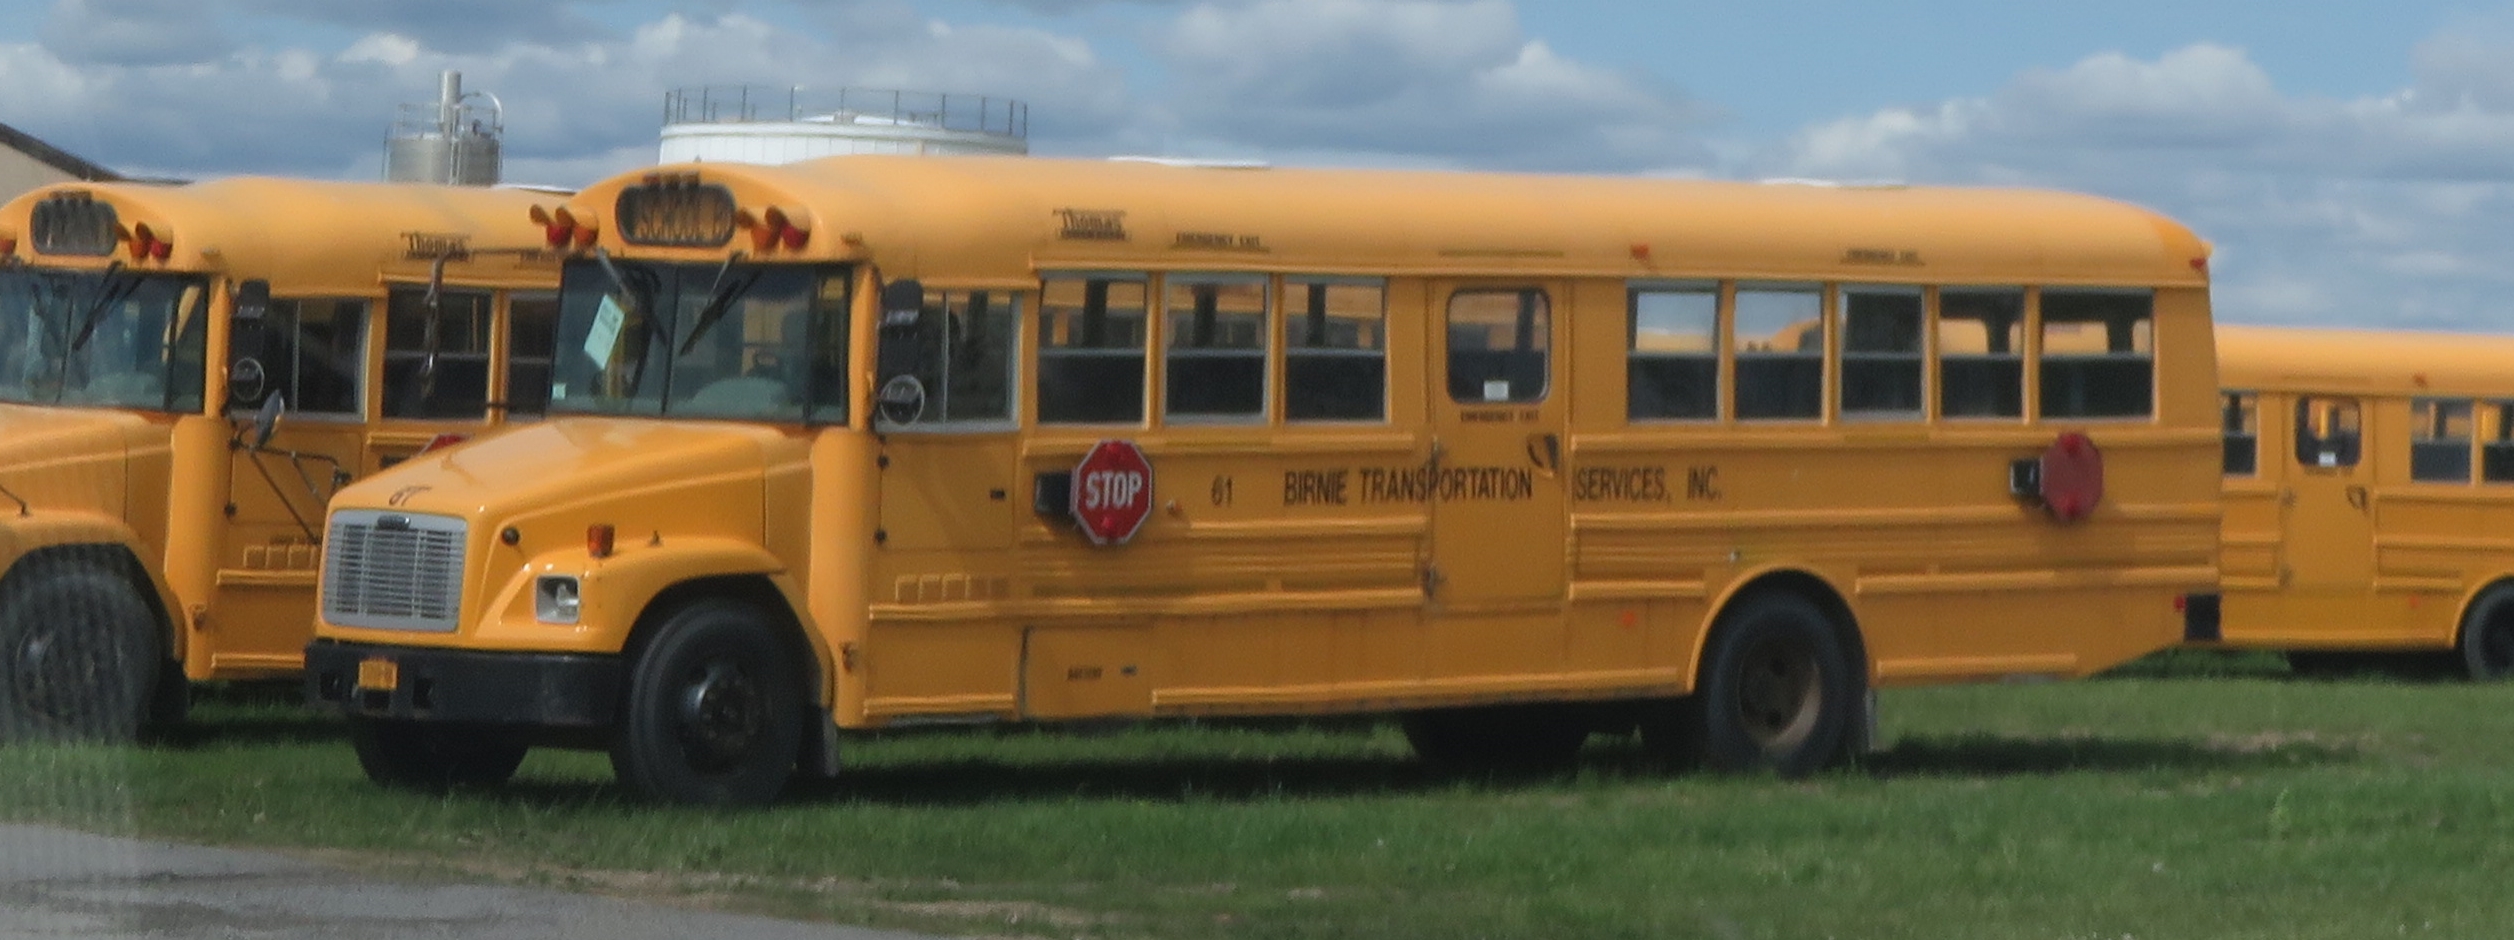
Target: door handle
x=2359, y=497
x=1545, y=451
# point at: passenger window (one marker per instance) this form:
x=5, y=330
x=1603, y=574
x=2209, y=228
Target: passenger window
x=1218, y=334
x=2328, y=432
x=2439, y=440
x=1981, y=353
x=1499, y=346
x=1780, y=352
x=532, y=324
x=2242, y=423
x=436, y=361
x=1091, y=349
x=1335, y=356
x=1673, y=367
x=2099, y=354
x=964, y=363
x=318, y=354
x=1881, y=356
x=2496, y=448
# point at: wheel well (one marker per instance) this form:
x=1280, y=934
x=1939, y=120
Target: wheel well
x=115, y=558
x=1814, y=590
x=748, y=588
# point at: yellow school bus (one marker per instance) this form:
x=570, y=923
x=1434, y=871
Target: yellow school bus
x=159, y=515
x=2369, y=481
x=866, y=442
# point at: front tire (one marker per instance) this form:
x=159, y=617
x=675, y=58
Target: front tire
x=714, y=713
x=1777, y=691
x=78, y=655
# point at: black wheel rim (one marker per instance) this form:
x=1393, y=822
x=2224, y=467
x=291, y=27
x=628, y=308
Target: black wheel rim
x=1779, y=692
x=721, y=716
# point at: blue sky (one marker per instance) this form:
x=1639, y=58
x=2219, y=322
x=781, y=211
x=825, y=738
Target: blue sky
x=2353, y=162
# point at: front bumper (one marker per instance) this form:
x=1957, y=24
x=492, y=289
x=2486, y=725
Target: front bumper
x=551, y=690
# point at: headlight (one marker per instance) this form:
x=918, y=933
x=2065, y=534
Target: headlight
x=554, y=598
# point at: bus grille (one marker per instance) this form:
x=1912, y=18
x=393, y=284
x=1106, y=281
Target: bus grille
x=393, y=570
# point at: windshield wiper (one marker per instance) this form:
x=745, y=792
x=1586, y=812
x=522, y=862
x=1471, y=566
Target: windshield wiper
x=638, y=302
x=116, y=286
x=720, y=298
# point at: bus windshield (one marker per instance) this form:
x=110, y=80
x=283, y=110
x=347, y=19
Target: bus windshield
x=114, y=338
x=723, y=340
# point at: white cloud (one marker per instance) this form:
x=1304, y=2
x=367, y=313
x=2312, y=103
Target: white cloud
x=1411, y=78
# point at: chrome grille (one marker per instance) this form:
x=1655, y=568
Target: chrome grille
x=393, y=570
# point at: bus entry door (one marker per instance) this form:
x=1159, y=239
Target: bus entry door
x=1497, y=486
x=2329, y=561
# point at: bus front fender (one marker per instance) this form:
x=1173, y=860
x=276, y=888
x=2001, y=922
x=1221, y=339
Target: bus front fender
x=615, y=593
x=42, y=531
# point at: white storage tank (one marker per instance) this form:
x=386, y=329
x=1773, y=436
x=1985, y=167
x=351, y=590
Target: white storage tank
x=768, y=124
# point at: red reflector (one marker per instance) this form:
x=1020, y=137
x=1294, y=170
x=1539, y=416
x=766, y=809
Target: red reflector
x=2182, y=603
x=8, y=246
x=598, y=540
x=442, y=441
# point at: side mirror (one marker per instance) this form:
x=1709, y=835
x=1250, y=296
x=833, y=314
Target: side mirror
x=248, y=342
x=905, y=341
x=266, y=420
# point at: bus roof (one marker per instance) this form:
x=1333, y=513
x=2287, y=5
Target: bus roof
x=1008, y=217
x=2296, y=359
x=305, y=236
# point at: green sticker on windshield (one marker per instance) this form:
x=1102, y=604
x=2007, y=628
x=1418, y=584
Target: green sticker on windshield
x=605, y=336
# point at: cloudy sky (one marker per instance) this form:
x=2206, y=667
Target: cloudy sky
x=2353, y=162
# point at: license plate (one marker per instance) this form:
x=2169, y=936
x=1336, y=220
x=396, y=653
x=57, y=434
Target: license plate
x=379, y=674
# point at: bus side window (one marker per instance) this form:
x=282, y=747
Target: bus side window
x=458, y=385
x=2328, y=432
x=2439, y=440
x=2242, y=423
x=1881, y=358
x=532, y=325
x=1217, y=336
x=1499, y=345
x=963, y=360
x=1335, y=357
x=1672, y=369
x=1981, y=353
x=2099, y=354
x=2496, y=449
x=317, y=354
x=1091, y=349
x=1779, y=338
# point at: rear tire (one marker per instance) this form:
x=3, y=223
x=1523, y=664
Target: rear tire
x=1497, y=737
x=1777, y=691
x=433, y=758
x=714, y=713
x=2487, y=636
x=79, y=654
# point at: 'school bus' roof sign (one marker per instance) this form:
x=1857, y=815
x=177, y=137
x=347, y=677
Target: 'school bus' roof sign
x=676, y=212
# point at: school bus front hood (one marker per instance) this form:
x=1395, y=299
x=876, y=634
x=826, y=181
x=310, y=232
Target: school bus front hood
x=634, y=471
x=74, y=458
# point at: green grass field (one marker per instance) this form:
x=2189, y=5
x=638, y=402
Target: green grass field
x=2205, y=797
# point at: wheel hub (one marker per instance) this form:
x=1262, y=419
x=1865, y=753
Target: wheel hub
x=49, y=675
x=722, y=715
x=1779, y=693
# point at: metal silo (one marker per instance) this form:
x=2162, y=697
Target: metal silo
x=451, y=140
